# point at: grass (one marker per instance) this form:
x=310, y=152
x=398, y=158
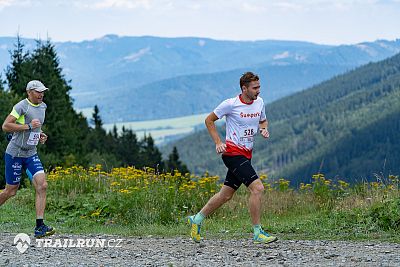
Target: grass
x=129, y=202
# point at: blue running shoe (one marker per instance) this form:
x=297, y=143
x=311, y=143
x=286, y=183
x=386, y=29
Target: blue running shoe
x=195, y=229
x=264, y=238
x=43, y=231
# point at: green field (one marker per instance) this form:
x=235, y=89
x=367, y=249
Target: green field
x=161, y=130
x=133, y=202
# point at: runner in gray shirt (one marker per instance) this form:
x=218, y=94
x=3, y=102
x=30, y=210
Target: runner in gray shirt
x=25, y=122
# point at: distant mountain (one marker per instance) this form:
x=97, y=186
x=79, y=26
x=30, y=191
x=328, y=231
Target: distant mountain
x=199, y=93
x=347, y=128
x=134, y=61
x=143, y=73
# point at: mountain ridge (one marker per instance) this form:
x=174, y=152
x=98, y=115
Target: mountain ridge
x=112, y=63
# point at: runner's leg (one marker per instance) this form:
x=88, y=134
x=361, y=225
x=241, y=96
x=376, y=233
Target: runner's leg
x=223, y=196
x=35, y=172
x=8, y=192
x=13, y=172
x=40, y=184
x=256, y=192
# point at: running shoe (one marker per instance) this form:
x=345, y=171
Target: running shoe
x=43, y=231
x=195, y=231
x=264, y=238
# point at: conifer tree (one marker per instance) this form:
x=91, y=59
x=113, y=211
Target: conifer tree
x=96, y=119
x=174, y=163
x=97, y=140
x=66, y=129
x=128, y=148
x=6, y=103
x=115, y=132
x=70, y=139
x=150, y=154
x=19, y=73
x=1, y=84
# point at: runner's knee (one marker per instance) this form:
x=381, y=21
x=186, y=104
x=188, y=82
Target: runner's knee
x=41, y=186
x=225, y=197
x=257, y=188
x=10, y=192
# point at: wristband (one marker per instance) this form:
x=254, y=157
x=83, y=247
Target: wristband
x=30, y=127
x=262, y=129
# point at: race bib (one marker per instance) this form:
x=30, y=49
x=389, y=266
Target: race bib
x=33, y=139
x=247, y=135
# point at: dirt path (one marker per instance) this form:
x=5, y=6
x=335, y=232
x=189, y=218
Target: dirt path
x=149, y=251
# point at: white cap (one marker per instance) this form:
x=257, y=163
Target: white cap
x=36, y=85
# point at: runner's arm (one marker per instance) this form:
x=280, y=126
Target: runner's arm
x=10, y=125
x=264, y=128
x=43, y=138
x=210, y=124
x=264, y=124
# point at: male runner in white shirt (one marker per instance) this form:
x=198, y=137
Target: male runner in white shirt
x=245, y=116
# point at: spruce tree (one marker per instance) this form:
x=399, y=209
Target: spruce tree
x=1, y=84
x=115, y=132
x=128, y=148
x=96, y=119
x=19, y=73
x=65, y=128
x=6, y=102
x=150, y=154
x=97, y=139
x=174, y=163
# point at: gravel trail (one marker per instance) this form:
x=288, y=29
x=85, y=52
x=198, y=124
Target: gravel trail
x=180, y=251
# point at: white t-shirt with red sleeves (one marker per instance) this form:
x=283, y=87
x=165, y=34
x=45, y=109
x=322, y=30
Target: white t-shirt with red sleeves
x=242, y=122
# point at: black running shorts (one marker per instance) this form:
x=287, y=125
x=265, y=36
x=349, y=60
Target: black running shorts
x=239, y=172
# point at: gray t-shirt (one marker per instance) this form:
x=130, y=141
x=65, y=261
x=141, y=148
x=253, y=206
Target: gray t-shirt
x=23, y=144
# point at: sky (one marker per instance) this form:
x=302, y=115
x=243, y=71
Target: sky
x=319, y=21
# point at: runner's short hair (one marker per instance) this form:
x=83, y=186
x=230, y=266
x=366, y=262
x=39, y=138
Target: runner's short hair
x=247, y=78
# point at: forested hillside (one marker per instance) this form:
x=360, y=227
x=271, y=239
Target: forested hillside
x=70, y=139
x=347, y=127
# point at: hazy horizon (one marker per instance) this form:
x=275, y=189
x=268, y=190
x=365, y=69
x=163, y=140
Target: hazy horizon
x=317, y=21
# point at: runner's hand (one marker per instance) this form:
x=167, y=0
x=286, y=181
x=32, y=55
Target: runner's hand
x=220, y=148
x=43, y=138
x=35, y=123
x=264, y=132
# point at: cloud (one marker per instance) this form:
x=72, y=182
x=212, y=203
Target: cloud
x=9, y=3
x=121, y=4
x=288, y=5
x=5, y=3
x=252, y=8
x=306, y=5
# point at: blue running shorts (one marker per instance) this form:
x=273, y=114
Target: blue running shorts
x=15, y=165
